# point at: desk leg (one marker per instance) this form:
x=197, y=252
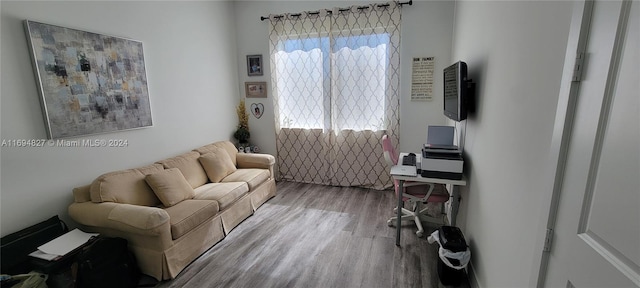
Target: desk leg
x=399, y=222
x=455, y=204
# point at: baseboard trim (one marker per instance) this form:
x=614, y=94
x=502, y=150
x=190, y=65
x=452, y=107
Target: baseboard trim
x=471, y=275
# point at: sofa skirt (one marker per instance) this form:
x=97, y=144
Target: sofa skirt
x=262, y=193
x=190, y=246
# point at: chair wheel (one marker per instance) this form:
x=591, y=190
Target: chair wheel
x=389, y=223
x=419, y=233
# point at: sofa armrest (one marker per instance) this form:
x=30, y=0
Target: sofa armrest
x=251, y=160
x=128, y=218
x=82, y=194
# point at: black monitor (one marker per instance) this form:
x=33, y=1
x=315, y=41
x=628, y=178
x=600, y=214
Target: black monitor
x=456, y=92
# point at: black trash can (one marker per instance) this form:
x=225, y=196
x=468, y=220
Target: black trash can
x=450, y=276
x=451, y=238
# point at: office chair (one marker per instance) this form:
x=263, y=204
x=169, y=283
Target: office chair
x=416, y=193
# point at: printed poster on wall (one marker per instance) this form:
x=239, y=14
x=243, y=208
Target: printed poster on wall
x=422, y=79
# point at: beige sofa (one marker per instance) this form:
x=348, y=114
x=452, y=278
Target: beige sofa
x=175, y=209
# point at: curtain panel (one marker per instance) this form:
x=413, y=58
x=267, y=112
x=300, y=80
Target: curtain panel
x=335, y=86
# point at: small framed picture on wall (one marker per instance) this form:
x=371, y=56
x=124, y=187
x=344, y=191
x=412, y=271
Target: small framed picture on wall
x=255, y=89
x=254, y=65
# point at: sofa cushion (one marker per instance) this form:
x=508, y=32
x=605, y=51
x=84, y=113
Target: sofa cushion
x=170, y=186
x=189, y=166
x=188, y=214
x=217, y=164
x=125, y=186
x=253, y=177
x=225, y=193
x=136, y=219
x=227, y=146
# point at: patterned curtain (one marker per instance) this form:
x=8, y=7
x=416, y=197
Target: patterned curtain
x=335, y=80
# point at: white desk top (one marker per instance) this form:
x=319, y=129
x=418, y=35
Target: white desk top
x=461, y=182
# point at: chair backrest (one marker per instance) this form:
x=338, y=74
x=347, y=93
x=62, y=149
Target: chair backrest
x=390, y=154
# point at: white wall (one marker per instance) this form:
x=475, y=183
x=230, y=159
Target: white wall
x=427, y=28
x=515, y=53
x=190, y=57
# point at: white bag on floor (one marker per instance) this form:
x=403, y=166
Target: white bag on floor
x=445, y=254
x=30, y=280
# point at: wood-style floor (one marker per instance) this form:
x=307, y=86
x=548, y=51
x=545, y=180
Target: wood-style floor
x=317, y=236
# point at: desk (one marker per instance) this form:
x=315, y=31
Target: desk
x=455, y=194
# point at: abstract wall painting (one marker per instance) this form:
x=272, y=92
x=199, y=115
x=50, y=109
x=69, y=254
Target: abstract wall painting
x=88, y=83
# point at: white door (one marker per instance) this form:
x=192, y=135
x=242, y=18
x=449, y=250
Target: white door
x=597, y=233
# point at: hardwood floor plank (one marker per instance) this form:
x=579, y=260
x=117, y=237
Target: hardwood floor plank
x=317, y=236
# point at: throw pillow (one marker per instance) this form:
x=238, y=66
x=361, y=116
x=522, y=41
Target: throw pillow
x=170, y=186
x=217, y=164
x=189, y=166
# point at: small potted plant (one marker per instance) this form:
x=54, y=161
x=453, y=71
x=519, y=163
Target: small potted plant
x=242, y=133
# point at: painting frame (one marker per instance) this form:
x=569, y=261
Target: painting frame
x=254, y=65
x=88, y=83
x=255, y=89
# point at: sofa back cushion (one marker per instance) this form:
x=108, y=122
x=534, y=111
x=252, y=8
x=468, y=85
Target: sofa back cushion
x=217, y=164
x=252, y=176
x=170, y=186
x=224, y=145
x=189, y=166
x=125, y=186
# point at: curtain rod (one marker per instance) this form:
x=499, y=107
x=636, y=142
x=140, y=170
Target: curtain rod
x=410, y=2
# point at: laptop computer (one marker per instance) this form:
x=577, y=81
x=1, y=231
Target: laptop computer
x=440, y=137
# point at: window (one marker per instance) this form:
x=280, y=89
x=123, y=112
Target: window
x=339, y=88
x=335, y=84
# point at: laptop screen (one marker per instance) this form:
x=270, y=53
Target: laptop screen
x=440, y=135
